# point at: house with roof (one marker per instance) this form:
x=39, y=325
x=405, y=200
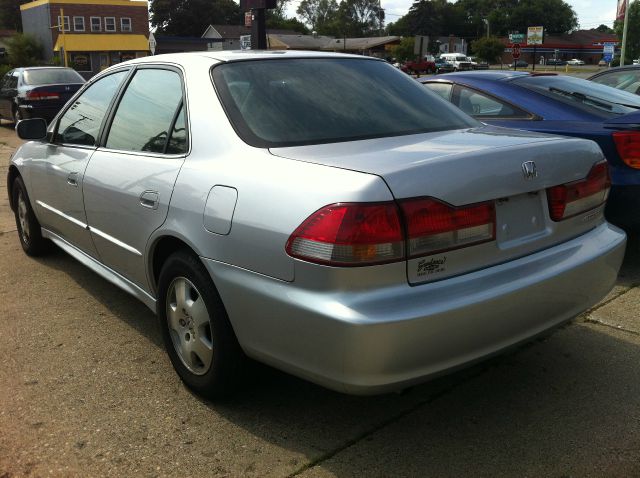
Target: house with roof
x=89, y=35
x=227, y=37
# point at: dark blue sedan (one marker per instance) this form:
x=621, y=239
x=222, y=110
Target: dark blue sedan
x=564, y=105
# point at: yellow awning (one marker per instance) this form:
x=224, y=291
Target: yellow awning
x=101, y=42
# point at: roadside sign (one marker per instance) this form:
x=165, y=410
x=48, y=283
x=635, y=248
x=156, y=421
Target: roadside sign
x=608, y=52
x=515, y=51
x=248, y=17
x=516, y=37
x=535, y=35
x=245, y=42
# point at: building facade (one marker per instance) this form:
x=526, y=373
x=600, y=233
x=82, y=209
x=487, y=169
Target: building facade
x=91, y=34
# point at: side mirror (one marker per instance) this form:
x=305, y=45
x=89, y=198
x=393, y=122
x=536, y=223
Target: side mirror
x=32, y=129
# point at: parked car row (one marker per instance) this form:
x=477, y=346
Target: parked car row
x=327, y=214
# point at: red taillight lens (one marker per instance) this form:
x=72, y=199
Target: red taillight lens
x=571, y=199
x=434, y=226
x=628, y=146
x=350, y=234
x=42, y=95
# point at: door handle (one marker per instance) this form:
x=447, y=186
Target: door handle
x=72, y=179
x=149, y=199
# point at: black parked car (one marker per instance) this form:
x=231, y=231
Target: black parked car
x=37, y=92
x=555, y=62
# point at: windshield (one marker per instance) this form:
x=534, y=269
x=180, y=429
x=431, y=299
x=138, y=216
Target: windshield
x=289, y=102
x=585, y=94
x=50, y=76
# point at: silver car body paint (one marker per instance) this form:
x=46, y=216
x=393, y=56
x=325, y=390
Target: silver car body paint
x=363, y=329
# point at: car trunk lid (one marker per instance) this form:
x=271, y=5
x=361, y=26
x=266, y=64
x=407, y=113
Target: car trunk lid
x=468, y=167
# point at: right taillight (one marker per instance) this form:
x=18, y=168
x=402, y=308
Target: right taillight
x=571, y=199
x=628, y=146
x=434, y=226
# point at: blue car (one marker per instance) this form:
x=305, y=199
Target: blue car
x=564, y=105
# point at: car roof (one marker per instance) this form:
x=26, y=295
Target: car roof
x=615, y=69
x=236, y=55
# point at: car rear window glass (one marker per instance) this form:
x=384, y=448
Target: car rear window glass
x=587, y=95
x=50, y=76
x=146, y=112
x=322, y=100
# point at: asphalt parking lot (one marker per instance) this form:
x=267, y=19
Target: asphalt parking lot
x=86, y=389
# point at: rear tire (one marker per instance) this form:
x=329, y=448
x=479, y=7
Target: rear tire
x=197, y=334
x=29, y=230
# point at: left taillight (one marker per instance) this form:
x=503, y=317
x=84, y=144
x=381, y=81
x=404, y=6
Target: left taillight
x=38, y=95
x=569, y=200
x=350, y=234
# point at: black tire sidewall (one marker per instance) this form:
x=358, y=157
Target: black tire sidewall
x=222, y=376
x=37, y=244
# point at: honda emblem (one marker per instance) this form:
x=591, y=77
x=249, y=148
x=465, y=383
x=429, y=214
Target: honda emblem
x=529, y=170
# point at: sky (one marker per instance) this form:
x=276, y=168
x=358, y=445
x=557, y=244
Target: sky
x=591, y=13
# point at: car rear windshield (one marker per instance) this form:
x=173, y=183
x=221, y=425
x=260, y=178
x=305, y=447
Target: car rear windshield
x=51, y=76
x=587, y=95
x=287, y=102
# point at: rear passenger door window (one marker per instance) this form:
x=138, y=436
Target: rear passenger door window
x=81, y=123
x=149, y=117
x=482, y=105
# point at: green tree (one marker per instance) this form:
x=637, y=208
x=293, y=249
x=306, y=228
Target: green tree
x=192, y=17
x=488, y=48
x=24, y=50
x=605, y=29
x=404, y=51
x=633, y=32
x=319, y=15
x=10, y=14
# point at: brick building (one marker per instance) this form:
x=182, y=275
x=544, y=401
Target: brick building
x=97, y=33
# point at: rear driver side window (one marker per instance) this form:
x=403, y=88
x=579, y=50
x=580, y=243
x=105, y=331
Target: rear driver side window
x=147, y=113
x=81, y=123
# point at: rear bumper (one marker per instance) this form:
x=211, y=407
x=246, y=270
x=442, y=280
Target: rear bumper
x=375, y=340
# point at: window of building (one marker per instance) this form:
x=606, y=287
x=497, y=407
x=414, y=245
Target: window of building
x=78, y=24
x=96, y=24
x=67, y=26
x=125, y=24
x=109, y=24
x=81, y=123
x=147, y=113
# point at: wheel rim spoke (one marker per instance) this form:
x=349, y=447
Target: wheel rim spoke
x=198, y=312
x=22, y=217
x=203, y=349
x=181, y=293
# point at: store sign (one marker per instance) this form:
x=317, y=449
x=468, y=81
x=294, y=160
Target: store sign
x=516, y=37
x=608, y=51
x=535, y=35
x=80, y=61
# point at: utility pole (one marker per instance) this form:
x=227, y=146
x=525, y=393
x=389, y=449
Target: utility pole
x=624, y=32
x=258, y=21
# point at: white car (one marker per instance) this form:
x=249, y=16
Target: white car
x=575, y=61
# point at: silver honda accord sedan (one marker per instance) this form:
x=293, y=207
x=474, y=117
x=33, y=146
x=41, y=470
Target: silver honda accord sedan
x=322, y=213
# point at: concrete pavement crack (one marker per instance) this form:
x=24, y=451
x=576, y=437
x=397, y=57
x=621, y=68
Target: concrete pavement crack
x=614, y=327
x=385, y=423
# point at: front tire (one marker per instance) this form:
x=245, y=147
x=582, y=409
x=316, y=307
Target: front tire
x=29, y=230
x=197, y=334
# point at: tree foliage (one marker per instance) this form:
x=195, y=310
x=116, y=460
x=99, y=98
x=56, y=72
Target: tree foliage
x=404, y=51
x=10, y=18
x=632, y=50
x=24, y=50
x=192, y=17
x=488, y=49
x=468, y=18
x=352, y=18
